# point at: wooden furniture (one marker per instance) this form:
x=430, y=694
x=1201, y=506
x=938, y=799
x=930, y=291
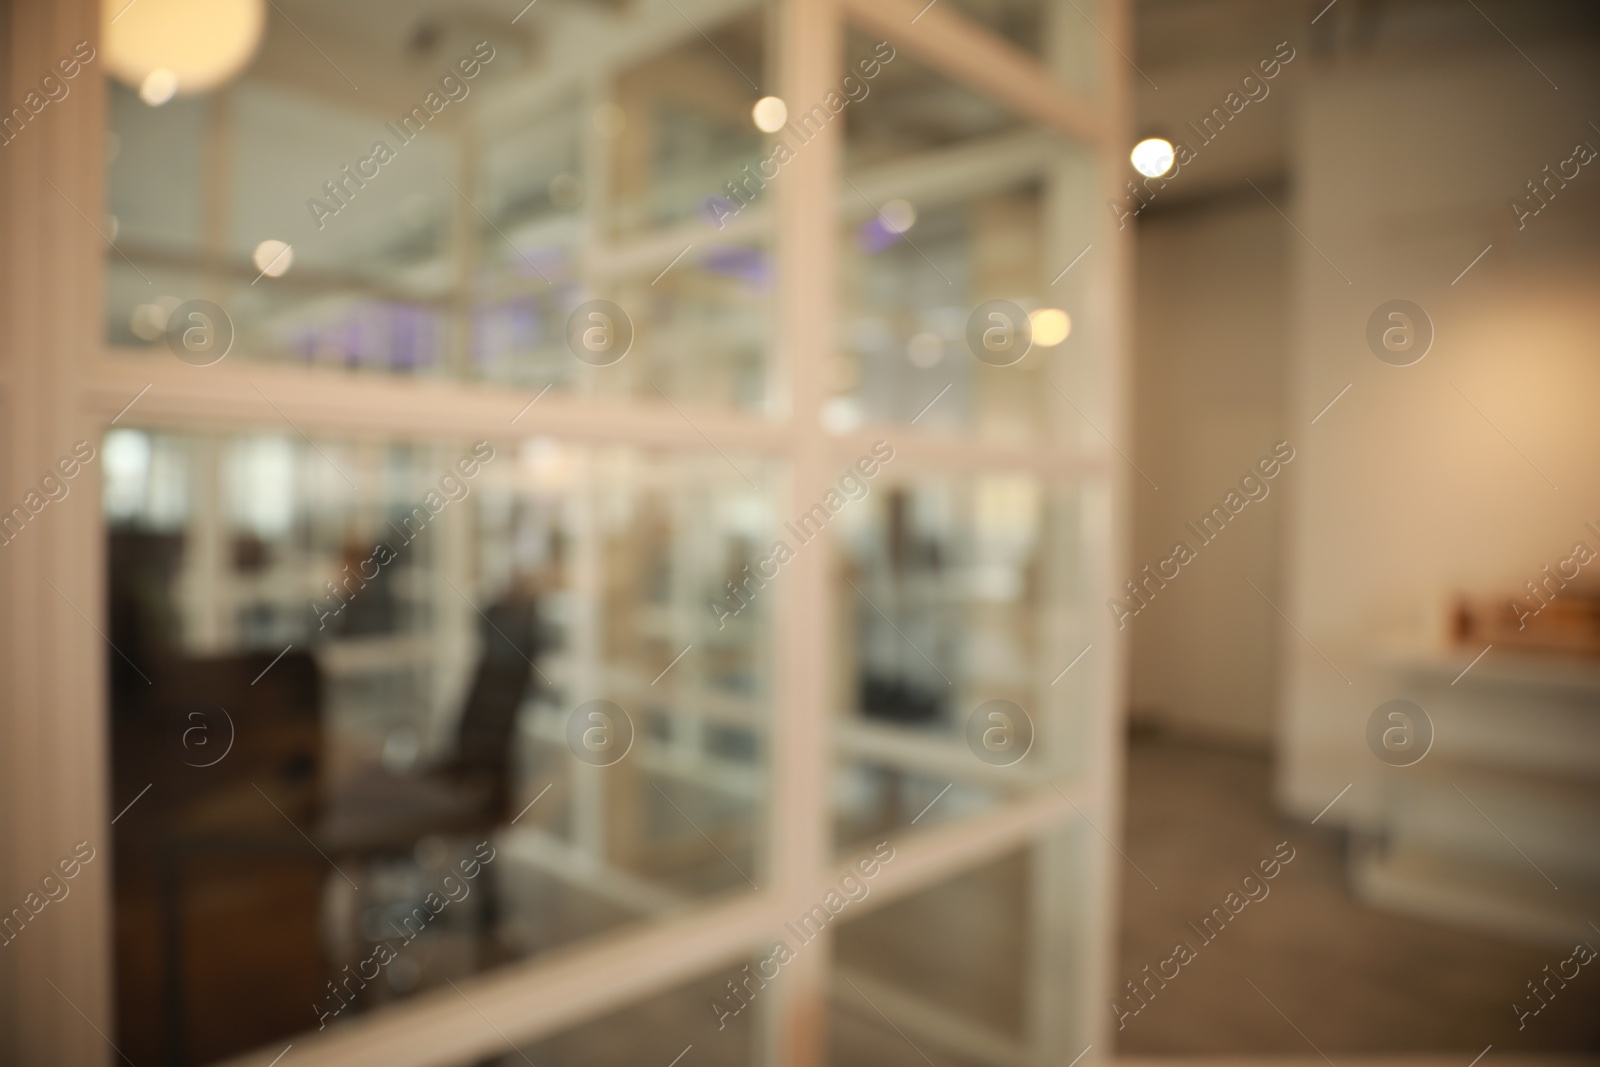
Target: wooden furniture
x=214, y=878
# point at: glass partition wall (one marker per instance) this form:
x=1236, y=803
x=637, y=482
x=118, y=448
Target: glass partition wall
x=590, y=540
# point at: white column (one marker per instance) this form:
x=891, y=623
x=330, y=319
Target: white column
x=52, y=577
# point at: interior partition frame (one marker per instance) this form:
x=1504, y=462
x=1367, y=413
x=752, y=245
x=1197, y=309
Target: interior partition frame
x=60, y=382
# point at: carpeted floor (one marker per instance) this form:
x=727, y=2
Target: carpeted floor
x=1308, y=968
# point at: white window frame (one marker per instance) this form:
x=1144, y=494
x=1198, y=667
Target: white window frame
x=60, y=383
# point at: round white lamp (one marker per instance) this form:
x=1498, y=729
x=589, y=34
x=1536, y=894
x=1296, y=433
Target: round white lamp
x=167, y=48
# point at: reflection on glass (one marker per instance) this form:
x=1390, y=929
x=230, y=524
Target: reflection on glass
x=1063, y=34
x=701, y=328
x=948, y=206
x=976, y=970
x=409, y=712
x=680, y=126
x=874, y=796
x=446, y=223
x=910, y=108
x=957, y=599
x=1019, y=22
x=657, y=1030
x=909, y=301
x=527, y=243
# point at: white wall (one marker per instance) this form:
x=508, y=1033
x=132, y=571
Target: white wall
x=1403, y=492
x=1212, y=334
x=1211, y=349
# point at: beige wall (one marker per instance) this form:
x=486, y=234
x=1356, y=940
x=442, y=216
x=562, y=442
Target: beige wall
x=1400, y=172
x=1404, y=492
x=1211, y=351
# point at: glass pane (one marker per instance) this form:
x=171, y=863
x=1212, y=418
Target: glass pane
x=1019, y=22
x=703, y=328
x=959, y=612
x=975, y=969
x=878, y=794
x=907, y=107
x=415, y=711
x=456, y=224
x=680, y=125
x=959, y=308
x=988, y=988
x=1064, y=34
x=1079, y=46
x=655, y=1031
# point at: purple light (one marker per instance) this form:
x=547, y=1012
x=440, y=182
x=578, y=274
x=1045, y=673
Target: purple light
x=751, y=265
x=874, y=236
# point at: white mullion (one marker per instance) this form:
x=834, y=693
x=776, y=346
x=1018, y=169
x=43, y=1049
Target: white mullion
x=1058, y=971
x=1107, y=507
x=335, y=404
x=810, y=36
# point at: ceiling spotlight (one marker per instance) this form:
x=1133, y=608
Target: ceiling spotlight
x=1152, y=156
x=770, y=113
x=1050, y=326
x=158, y=87
x=272, y=258
x=898, y=216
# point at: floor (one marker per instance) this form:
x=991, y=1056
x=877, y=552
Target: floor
x=1306, y=976
x=970, y=970
x=1306, y=970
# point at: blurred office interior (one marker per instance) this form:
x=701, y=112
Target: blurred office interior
x=599, y=531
